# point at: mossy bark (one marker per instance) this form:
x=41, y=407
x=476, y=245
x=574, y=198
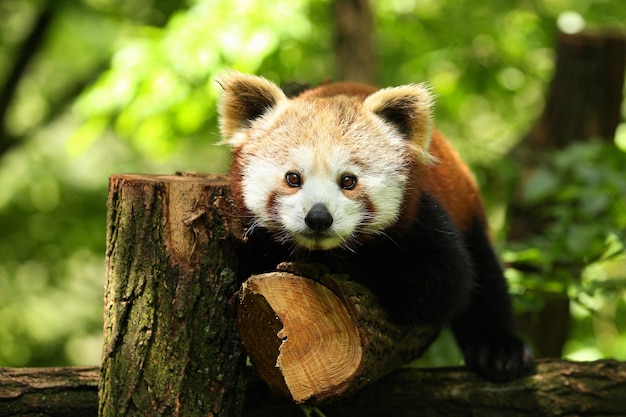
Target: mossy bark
x=170, y=341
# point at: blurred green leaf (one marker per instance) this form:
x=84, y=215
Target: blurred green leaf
x=128, y=86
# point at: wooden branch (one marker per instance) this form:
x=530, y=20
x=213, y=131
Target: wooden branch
x=170, y=342
x=559, y=389
x=49, y=392
x=316, y=337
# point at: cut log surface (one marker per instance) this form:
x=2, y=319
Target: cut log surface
x=315, y=336
x=317, y=350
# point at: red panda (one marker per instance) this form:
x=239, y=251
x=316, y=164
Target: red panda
x=357, y=178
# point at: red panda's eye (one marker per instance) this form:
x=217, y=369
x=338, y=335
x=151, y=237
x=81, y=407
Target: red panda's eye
x=293, y=179
x=348, y=182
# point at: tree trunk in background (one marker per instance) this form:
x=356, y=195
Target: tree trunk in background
x=354, y=46
x=21, y=60
x=585, y=96
x=170, y=342
x=583, y=102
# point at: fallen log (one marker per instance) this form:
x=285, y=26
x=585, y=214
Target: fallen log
x=560, y=388
x=316, y=336
x=49, y=392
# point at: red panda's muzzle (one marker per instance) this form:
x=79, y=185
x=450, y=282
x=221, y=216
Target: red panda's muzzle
x=318, y=219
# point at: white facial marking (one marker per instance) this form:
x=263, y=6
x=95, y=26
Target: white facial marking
x=321, y=147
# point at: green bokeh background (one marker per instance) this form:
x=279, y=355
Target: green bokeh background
x=129, y=86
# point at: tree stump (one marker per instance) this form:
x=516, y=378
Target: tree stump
x=170, y=343
x=315, y=336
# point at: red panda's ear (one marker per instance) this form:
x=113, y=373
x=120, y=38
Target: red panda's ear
x=244, y=99
x=409, y=109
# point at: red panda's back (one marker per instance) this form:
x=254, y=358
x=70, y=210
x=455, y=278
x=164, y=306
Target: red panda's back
x=451, y=181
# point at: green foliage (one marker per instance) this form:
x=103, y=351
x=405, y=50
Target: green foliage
x=489, y=76
x=51, y=270
x=160, y=92
x=581, y=193
x=129, y=86
x=579, y=198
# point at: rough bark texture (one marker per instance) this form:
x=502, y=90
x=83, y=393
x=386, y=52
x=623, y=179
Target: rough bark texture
x=559, y=389
x=315, y=336
x=354, y=46
x=583, y=103
x=49, y=392
x=170, y=343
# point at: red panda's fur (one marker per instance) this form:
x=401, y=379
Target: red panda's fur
x=427, y=254
x=448, y=178
x=451, y=182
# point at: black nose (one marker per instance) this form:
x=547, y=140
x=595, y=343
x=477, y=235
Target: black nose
x=319, y=218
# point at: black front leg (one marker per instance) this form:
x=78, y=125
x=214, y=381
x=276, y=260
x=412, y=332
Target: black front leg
x=485, y=330
x=422, y=274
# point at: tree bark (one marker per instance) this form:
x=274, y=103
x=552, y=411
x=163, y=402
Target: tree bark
x=170, y=343
x=559, y=389
x=49, y=392
x=316, y=336
x=354, y=45
x=583, y=103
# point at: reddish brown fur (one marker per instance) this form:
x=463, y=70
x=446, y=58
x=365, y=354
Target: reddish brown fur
x=451, y=182
x=345, y=88
x=434, y=272
x=449, y=179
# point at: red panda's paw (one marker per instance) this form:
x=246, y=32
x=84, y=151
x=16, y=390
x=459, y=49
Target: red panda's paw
x=503, y=360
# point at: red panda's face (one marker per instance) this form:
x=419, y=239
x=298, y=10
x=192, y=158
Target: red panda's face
x=320, y=173
x=319, y=180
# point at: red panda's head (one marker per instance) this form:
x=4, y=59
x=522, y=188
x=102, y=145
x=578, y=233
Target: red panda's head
x=324, y=171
